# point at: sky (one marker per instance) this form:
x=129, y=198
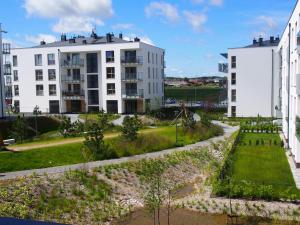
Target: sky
x=193, y=32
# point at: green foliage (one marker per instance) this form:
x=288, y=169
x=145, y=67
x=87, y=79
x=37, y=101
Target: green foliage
x=68, y=129
x=19, y=129
x=130, y=128
x=205, y=119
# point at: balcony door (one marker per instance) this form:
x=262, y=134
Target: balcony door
x=130, y=56
x=131, y=88
x=130, y=106
x=130, y=72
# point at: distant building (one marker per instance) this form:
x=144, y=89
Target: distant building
x=85, y=74
x=253, y=79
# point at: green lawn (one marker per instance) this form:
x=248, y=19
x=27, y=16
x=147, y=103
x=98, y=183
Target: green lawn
x=163, y=138
x=94, y=116
x=258, y=168
x=213, y=94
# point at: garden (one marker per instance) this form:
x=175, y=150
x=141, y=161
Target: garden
x=130, y=139
x=257, y=168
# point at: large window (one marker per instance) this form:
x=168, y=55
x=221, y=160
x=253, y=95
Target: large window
x=76, y=74
x=93, y=97
x=111, y=89
x=38, y=59
x=16, y=77
x=51, y=59
x=110, y=56
x=15, y=60
x=233, y=62
x=52, y=89
x=92, y=63
x=233, y=111
x=38, y=75
x=17, y=105
x=110, y=72
x=16, y=90
x=233, y=79
x=233, y=95
x=92, y=81
x=148, y=57
x=149, y=73
x=51, y=74
x=39, y=90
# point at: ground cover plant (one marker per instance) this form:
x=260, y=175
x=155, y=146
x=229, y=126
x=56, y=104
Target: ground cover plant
x=257, y=168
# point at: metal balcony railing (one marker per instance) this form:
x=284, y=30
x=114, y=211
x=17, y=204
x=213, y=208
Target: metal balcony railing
x=132, y=60
x=6, y=48
x=73, y=93
x=7, y=69
x=72, y=79
x=72, y=63
x=133, y=93
x=132, y=77
x=223, y=67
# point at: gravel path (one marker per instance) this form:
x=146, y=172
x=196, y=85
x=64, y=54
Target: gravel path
x=228, y=130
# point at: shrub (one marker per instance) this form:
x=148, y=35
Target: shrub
x=130, y=128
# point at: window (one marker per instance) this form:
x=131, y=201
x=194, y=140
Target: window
x=51, y=59
x=156, y=73
x=233, y=62
x=110, y=56
x=153, y=88
x=156, y=59
x=233, y=111
x=233, y=78
x=153, y=73
x=152, y=58
x=51, y=74
x=111, y=89
x=38, y=75
x=76, y=74
x=92, y=109
x=233, y=95
x=112, y=106
x=162, y=73
x=149, y=88
x=149, y=71
x=15, y=60
x=92, y=81
x=148, y=57
x=93, y=97
x=16, y=90
x=16, y=77
x=54, y=106
x=38, y=59
x=110, y=72
x=52, y=89
x=92, y=63
x=17, y=105
x=39, y=90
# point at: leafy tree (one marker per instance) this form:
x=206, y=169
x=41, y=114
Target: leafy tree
x=19, y=129
x=130, y=128
x=65, y=127
x=94, y=146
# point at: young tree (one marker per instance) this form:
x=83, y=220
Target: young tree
x=36, y=112
x=65, y=126
x=19, y=129
x=130, y=128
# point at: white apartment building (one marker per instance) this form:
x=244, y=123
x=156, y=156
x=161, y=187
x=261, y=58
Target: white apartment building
x=253, y=79
x=289, y=50
x=84, y=74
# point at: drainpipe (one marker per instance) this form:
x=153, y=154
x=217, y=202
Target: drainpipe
x=289, y=89
x=272, y=88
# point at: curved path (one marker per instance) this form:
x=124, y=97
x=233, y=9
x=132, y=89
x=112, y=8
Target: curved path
x=228, y=130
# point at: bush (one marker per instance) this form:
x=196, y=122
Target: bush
x=130, y=128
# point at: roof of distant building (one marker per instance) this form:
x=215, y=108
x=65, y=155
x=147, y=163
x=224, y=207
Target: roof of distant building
x=260, y=42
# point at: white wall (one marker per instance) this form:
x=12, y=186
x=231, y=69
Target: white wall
x=253, y=81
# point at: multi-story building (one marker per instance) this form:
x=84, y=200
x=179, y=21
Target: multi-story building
x=289, y=50
x=84, y=74
x=253, y=79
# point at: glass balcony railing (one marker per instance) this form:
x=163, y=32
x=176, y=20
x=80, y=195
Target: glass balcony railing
x=133, y=93
x=73, y=94
x=72, y=63
x=7, y=69
x=132, y=77
x=72, y=79
x=132, y=60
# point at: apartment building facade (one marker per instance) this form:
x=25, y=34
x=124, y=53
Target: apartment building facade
x=289, y=50
x=84, y=74
x=253, y=79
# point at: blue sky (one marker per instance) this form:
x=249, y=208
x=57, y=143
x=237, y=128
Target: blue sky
x=193, y=32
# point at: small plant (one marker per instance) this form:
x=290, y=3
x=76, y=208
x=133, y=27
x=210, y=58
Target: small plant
x=130, y=128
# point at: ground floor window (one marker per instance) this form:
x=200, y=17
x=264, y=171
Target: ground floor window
x=112, y=106
x=17, y=106
x=93, y=97
x=233, y=111
x=54, y=106
x=130, y=106
x=92, y=109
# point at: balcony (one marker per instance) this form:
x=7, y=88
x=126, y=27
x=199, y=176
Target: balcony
x=72, y=79
x=138, y=60
x=6, y=48
x=132, y=93
x=77, y=63
x=132, y=77
x=223, y=67
x=7, y=69
x=73, y=95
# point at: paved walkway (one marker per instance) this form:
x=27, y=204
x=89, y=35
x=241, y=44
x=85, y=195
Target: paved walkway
x=228, y=130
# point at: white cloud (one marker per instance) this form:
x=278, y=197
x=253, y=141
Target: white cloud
x=268, y=21
x=195, y=19
x=84, y=13
x=78, y=24
x=162, y=9
x=40, y=37
x=265, y=26
x=210, y=2
x=123, y=26
x=13, y=43
x=143, y=38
